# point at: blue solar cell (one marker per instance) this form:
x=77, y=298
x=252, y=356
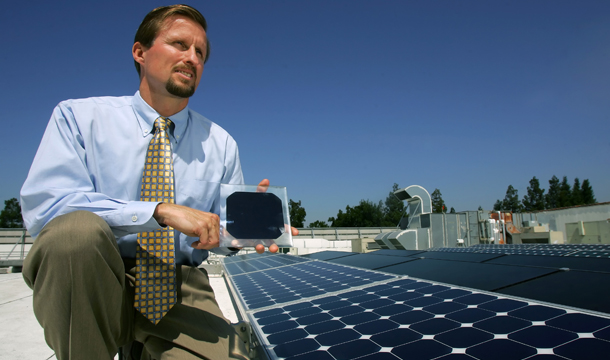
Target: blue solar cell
x=337, y=337
x=452, y=293
x=363, y=298
x=502, y=324
x=475, y=299
x=262, y=314
x=314, y=355
x=376, y=304
x=392, y=309
x=421, y=350
x=581, y=323
x=435, y=326
x=273, y=319
x=283, y=326
x=456, y=357
x=299, y=306
x=584, y=349
x=501, y=349
x=314, y=319
x=287, y=336
x=603, y=334
x=396, y=337
x=410, y=295
x=348, y=310
x=324, y=327
x=469, y=316
x=306, y=311
x=444, y=307
x=463, y=337
x=503, y=305
x=543, y=336
x=353, y=349
x=537, y=313
x=411, y=317
x=360, y=318
x=296, y=347
x=335, y=305
x=423, y=301
x=376, y=326
x=379, y=356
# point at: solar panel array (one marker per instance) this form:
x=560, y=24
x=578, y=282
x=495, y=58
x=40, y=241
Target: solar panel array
x=582, y=250
x=567, y=280
x=303, y=308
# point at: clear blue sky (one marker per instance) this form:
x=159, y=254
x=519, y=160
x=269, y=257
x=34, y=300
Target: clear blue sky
x=338, y=100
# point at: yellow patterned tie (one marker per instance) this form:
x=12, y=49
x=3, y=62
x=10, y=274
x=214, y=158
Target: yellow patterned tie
x=155, y=274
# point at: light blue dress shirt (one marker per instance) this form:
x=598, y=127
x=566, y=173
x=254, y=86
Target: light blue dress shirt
x=91, y=158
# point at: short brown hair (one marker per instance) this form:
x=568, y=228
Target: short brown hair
x=152, y=23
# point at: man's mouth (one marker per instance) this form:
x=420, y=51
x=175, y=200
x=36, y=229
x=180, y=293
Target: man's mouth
x=188, y=73
x=185, y=73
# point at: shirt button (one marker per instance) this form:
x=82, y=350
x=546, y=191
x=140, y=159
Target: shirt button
x=134, y=218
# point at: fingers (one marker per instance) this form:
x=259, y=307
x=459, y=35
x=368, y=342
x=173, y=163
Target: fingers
x=191, y=222
x=263, y=185
x=260, y=248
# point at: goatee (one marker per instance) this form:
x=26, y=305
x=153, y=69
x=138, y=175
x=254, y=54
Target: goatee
x=183, y=91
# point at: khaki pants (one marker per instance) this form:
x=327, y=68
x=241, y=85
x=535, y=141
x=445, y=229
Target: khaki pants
x=83, y=298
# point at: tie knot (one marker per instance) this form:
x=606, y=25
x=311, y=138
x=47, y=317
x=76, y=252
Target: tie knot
x=162, y=123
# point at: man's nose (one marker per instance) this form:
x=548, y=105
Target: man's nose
x=191, y=56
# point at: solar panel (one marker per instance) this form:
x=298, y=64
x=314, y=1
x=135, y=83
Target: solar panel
x=318, y=310
x=371, y=261
x=237, y=264
x=327, y=255
x=472, y=257
x=482, y=276
x=557, y=262
x=397, y=252
x=587, y=290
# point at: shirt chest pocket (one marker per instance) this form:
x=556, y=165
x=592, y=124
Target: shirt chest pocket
x=198, y=194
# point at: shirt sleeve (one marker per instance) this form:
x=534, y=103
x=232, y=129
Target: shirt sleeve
x=59, y=183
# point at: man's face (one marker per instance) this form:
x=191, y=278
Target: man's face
x=174, y=63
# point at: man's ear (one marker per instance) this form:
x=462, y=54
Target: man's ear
x=138, y=52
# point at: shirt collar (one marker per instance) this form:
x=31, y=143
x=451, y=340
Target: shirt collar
x=146, y=116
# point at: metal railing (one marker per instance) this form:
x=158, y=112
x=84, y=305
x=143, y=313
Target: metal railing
x=14, y=244
x=343, y=233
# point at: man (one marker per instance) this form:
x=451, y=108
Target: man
x=84, y=202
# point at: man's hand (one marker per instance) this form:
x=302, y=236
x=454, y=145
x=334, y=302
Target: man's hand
x=260, y=248
x=191, y=222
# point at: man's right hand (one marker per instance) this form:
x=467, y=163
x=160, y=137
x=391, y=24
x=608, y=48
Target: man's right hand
x=191, y=222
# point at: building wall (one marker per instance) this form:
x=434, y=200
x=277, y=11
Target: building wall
x=557, y=219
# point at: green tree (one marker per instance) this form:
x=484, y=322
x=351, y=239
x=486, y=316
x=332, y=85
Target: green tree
x=10, y=217
x=365, y=214
x=438, y=205
x=452, y=211
x=576, y=193
x=534, y=200
x=297, y=213
x=552, y=196
x=318, y=224
x=481, y=208
x=511, y=200
x=393, y=209
x=565, y=193
x=587, y=192
x=497, y=206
